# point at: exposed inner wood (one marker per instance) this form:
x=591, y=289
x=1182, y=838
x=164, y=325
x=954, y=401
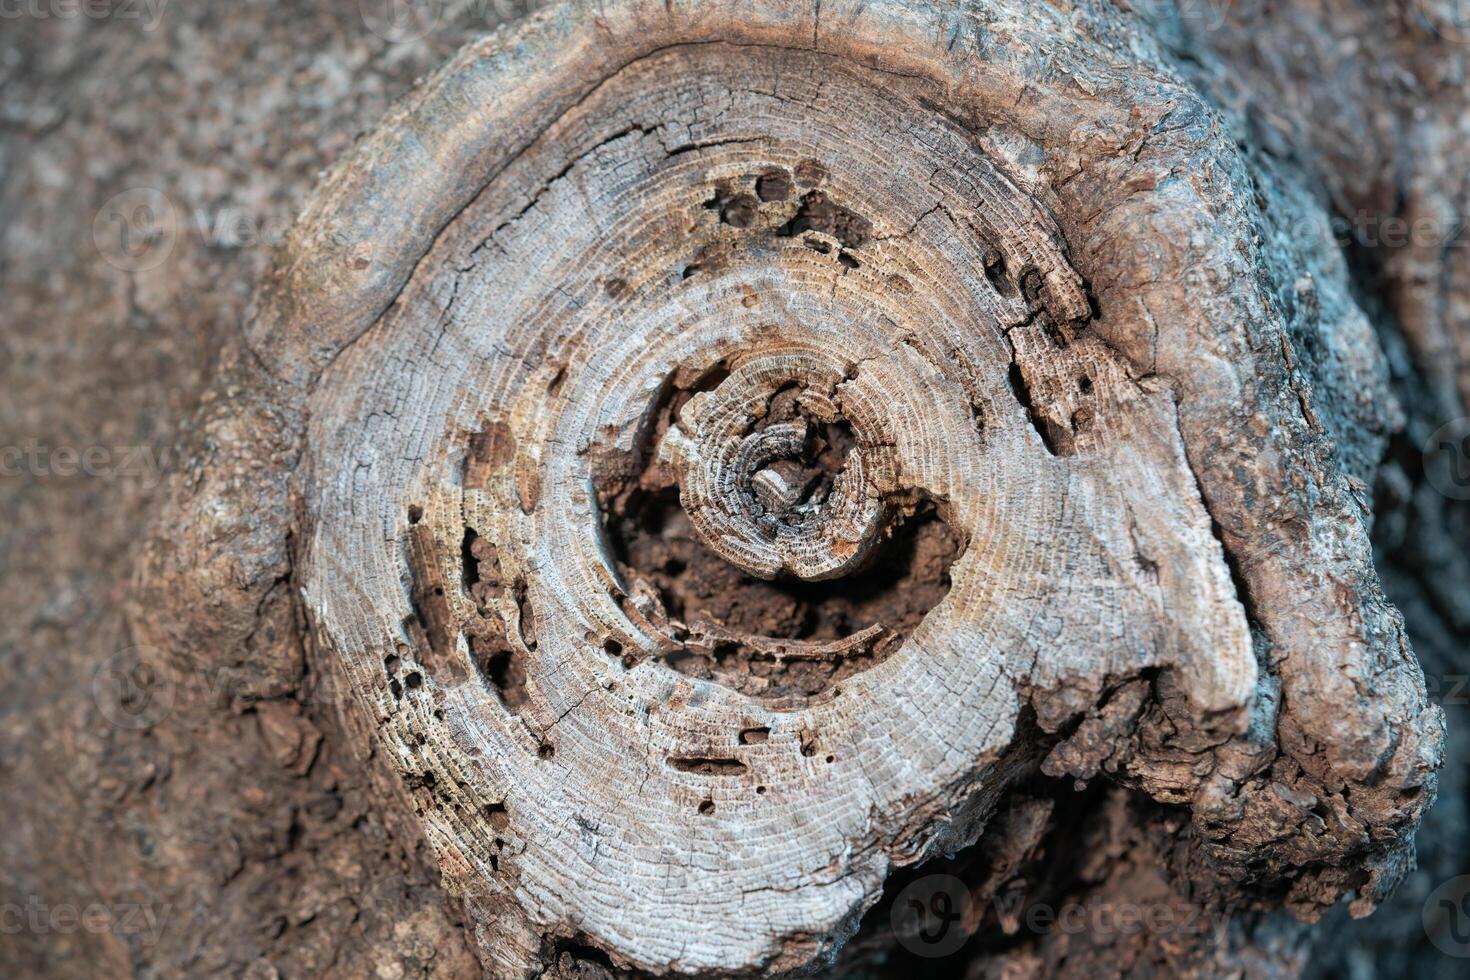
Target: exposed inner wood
x=714, y=415
x=772, y=636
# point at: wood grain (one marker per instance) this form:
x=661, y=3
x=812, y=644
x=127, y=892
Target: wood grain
x=651, y=246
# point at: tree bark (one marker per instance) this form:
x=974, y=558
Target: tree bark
x=699, y=483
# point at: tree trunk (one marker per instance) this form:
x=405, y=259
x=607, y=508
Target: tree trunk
x=874, y=489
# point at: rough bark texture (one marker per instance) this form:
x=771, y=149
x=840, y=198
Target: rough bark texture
x=693, y=475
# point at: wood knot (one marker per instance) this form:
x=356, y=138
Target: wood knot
x=775, y=477
x=783, y=485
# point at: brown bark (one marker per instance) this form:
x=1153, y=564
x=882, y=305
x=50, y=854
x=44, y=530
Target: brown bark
x=695, y=478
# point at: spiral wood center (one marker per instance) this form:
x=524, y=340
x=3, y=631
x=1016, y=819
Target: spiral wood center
x=773, y=475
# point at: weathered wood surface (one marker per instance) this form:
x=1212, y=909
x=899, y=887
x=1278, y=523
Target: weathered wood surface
x=569, y=217
x=978, y=322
